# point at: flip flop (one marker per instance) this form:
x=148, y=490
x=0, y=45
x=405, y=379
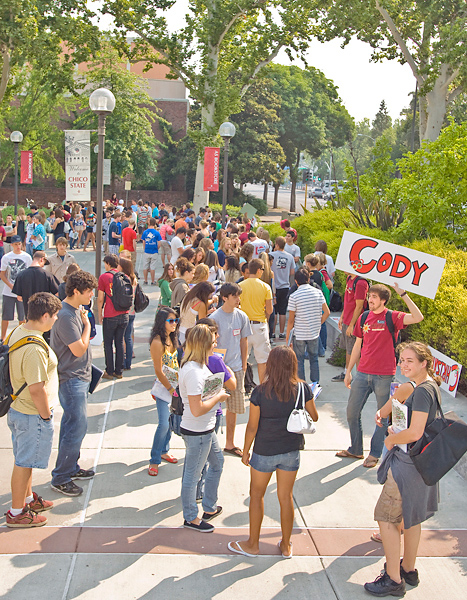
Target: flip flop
x=370, y=461
x=235, y=547
x=169, y=459
x=347, y=454
x=285, y=555
x=235, y=451
x=153, y=471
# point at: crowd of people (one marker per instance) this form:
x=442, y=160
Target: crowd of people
x=224, y=292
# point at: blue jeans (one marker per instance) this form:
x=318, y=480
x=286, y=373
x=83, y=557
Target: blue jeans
x=162, y=436
x=129, y=342
x=362, y=386
x=29, y=249
x=300, y=347
x=73, y=395
x=202, y=481
x=323, y=339
x=199, y=449
x=113, y=329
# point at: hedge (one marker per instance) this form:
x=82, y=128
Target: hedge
x=445, y=319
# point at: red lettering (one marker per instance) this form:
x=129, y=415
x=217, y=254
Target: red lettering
x=418, y=270
x=455, y=370
x=399, y=259
x=384, y=262
x=354, y=255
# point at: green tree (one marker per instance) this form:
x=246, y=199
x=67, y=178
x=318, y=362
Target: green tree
x=219, y=37
x=429, y=35
x=382, y=121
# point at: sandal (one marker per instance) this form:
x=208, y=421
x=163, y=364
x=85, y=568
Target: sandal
x=153, y=471
x=370, y=461
x=235, y=451
x=169, y=458
x=347, y=454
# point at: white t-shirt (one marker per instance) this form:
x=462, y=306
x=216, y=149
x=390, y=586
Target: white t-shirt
x=191, y=378
x=13, y=264
x=259, y=246
x=294, y=250
x=175, y=244
x=330, y=268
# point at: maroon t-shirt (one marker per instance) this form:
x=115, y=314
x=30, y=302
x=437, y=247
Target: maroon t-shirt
x=105, y=285
x=361, y=291
x=377, y=355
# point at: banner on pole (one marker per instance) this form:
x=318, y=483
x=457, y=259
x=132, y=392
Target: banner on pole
x=448, y=369
x=107, y=170
x=26, y=166
x=211, y=169
x=388, y=263
x=77, y=165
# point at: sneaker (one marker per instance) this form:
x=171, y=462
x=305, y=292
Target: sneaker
x=339, y=377
x=410, y=577
x=39, y=504
x=273, y=336
x=202, y=526
x=27, y=518
x=83, y=474
x=209, y=517
x=68, y=489
x=282, y=336
x=383, y=585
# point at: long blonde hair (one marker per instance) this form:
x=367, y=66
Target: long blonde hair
x=201, y=274
x=267, y=273
x=198, y=345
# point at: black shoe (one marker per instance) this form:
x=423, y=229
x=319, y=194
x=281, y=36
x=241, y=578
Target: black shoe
x=82, y=474
x=383, y=585
x=202, y=527
x=339, y=377
x=410, y=577
x=68, y=489
x=209, y=517
x=282, y=336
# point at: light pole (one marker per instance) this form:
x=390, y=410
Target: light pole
x=102, y=102
x=226, y=131
x=16, y=137
x=368, y=136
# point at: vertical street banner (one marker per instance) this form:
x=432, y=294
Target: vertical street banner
x=77, y=165
x=26, y=166
x=107, y=170
x=211, y=169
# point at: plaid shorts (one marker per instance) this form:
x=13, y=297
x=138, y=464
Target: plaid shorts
x=236, y=401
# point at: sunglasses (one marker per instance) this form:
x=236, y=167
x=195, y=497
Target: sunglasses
x=172, y=321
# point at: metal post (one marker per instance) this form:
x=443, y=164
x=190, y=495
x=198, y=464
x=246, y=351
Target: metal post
x=100, y=192
x=224, y=187
x=16, y=176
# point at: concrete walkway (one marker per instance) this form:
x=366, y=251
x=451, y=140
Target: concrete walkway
x=122, y=539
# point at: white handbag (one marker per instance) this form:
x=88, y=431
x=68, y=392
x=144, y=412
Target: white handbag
x=300, y=420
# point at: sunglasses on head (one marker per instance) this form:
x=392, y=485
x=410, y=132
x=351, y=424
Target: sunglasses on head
x=171, y=321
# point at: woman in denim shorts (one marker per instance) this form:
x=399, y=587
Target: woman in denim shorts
x=275, y=448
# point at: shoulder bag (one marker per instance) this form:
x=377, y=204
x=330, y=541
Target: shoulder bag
x=300, y=420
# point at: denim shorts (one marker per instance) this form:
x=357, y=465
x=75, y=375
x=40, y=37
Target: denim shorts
x=32, y=439
x=290, y=461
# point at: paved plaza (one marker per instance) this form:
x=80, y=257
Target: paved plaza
x=123, y=538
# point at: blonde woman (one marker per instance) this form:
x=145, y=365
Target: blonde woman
x=197, y=429
x=201, y=274
x=225, y=249
x=196, y=305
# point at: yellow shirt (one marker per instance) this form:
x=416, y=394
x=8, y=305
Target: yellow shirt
x=253, y=299
x=31, y=364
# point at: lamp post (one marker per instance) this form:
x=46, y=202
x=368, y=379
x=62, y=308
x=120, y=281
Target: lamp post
x=101, y=102
x=226, y=131
x=16, y=137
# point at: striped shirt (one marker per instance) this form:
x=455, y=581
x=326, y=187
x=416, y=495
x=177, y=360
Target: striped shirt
x=307, y=303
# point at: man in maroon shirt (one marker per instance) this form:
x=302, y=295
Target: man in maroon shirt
x=356, y=290
x=374, y=346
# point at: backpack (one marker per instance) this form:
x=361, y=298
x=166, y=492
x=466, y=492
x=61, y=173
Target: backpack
x=7, y=394
x=389, y=324
x=335, y=303
x=141, y=299
x=122, y=292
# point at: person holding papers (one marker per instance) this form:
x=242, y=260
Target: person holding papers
x=201, y=392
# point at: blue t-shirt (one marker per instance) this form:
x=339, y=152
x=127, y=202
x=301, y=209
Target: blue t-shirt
x=155, y=212
x=39, y=230
x=151, y=237
x=117, y=228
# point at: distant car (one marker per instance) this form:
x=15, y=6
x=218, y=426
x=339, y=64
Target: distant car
x=332, y=192
x=316, y=193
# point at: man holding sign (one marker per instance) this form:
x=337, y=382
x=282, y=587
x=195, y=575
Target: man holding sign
x=376, y=333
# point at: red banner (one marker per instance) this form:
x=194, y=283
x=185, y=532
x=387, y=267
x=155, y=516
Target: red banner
x=26, y=167
x=211, y=169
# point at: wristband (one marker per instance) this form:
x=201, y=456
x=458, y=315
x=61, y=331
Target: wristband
x=46, y=419
x=404, y=294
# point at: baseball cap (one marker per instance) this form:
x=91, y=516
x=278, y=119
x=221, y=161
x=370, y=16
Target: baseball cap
x=15, y=239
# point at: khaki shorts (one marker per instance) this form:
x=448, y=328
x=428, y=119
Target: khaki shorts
x=345, y=342
x=260, y=342
x=235, y=403
x=388, y=509
x=149, y=261
x=165, y=248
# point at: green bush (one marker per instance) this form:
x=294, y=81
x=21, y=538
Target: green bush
x=232, y=211
x=239, y=199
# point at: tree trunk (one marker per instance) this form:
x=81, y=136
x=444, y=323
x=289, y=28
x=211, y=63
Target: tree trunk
x=242, y=185
x=276, y=195
x=293, y=185
x=434, y=104
x=265, y=192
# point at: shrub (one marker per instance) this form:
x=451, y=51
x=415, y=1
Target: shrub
x=239, y=199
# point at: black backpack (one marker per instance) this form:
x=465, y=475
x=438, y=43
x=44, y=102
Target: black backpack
x=7, y=394
x=389, y=324
x=141, y=299
x=335, y=302
x=122, y=292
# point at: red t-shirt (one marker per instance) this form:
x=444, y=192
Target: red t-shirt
x=377, y=355
x=105, y=285
x=243, y=237
x=326, y=277
x=2, y=235
x=128, y=235
x=361, y=290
